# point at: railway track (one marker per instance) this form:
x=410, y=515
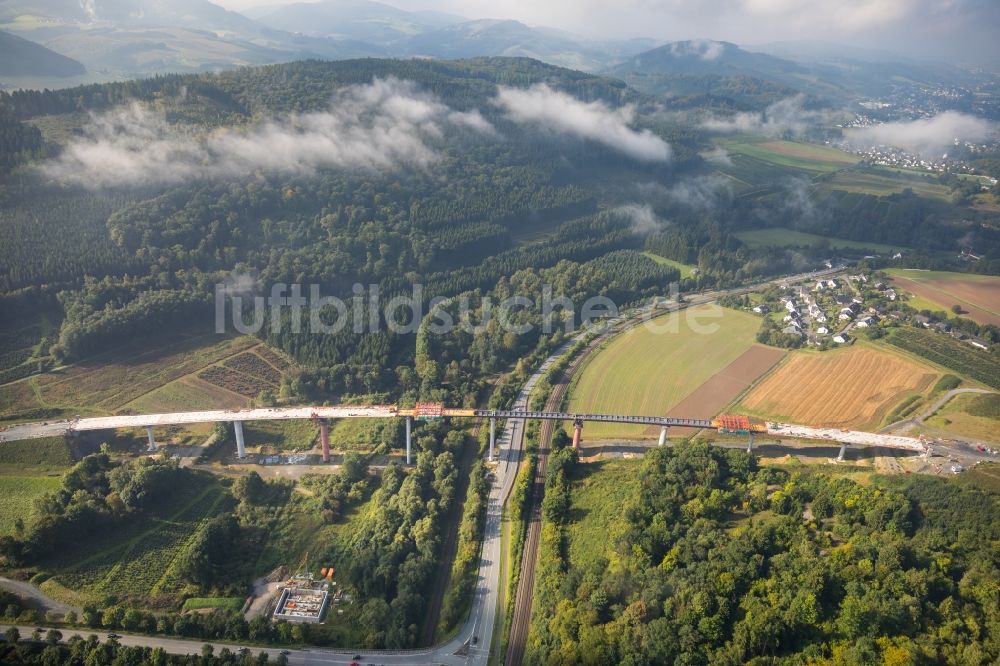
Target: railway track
x=521, y=621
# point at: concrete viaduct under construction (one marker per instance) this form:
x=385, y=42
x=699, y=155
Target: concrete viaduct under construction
x=727, y=424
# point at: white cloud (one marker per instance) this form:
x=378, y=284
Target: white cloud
x=927, y=136
x=702, y=193
x=845, y=14
x=706, y=49
x=786, y=116
x=384, y=125
x=644, y=220
x=563, y=113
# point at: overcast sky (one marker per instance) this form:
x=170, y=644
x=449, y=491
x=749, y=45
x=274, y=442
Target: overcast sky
x=963, y=29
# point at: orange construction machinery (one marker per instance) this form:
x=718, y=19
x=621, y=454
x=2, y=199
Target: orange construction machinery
x=737, y=424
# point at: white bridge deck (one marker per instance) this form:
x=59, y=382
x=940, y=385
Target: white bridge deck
x=63, y=427
x=845, y=436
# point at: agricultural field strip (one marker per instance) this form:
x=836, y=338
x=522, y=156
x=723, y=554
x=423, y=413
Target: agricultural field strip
x=133, y=380
x=101, y=360
x=946, y=297
x=651, y=378
x=170, y=571
x=948, y=353
x=233, y=352
x=122, y=550
x=838, y=389
x=730, y=383
x=788, y=155
x=863, y=182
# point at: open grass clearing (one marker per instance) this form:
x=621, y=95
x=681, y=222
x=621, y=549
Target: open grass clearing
x=686, y=269
x=650, y=369
x=597, y=509
x=185, y=394
x=955, y=417
x=854, y=387
x=232, y=604
x=884, y=184
x=274, y=436
x=39, y=455
x=19, y=492
x=791, y=154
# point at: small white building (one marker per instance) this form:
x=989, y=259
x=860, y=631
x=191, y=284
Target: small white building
x=822, y=330
x=841, y=338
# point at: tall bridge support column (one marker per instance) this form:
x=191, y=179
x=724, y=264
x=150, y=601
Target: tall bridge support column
x=843, y=450
x=493, y=437
x=324, y=438
x=577, y=434
x=663, y=435
x=241, y=448
x=152, y=441
x=750, y=443
x=409, y=438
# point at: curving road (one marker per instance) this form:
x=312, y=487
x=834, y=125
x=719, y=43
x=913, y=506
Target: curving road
x=928, y=412
x=471, y=645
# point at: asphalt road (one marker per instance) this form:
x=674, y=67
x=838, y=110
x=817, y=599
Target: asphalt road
x=471, y=645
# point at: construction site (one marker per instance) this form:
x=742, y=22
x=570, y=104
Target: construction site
x=305, y=598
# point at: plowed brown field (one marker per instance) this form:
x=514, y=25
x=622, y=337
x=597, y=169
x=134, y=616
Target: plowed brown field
x=853, y=387
x=711, y=397
x=979, y=298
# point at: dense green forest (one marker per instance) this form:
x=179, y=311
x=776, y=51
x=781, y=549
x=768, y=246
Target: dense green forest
x=718, y=561
x=106, y=263
x=387, y=565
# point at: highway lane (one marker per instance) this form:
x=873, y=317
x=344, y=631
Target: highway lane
x=483, y=615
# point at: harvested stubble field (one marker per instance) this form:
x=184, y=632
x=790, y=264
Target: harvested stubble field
x=852, y=388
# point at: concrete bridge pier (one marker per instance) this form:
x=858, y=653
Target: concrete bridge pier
x=324, y=438
x=843, y=450
x=577, y=434
x=493, y=438
x=663, y=435
x=241, y=449
x=750, y=443
x=152, y=441
x=409, y=437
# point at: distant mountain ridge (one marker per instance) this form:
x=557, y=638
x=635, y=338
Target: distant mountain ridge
x=115, y=39
x=22, y=57
x=823, y=71
x=362, y=20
